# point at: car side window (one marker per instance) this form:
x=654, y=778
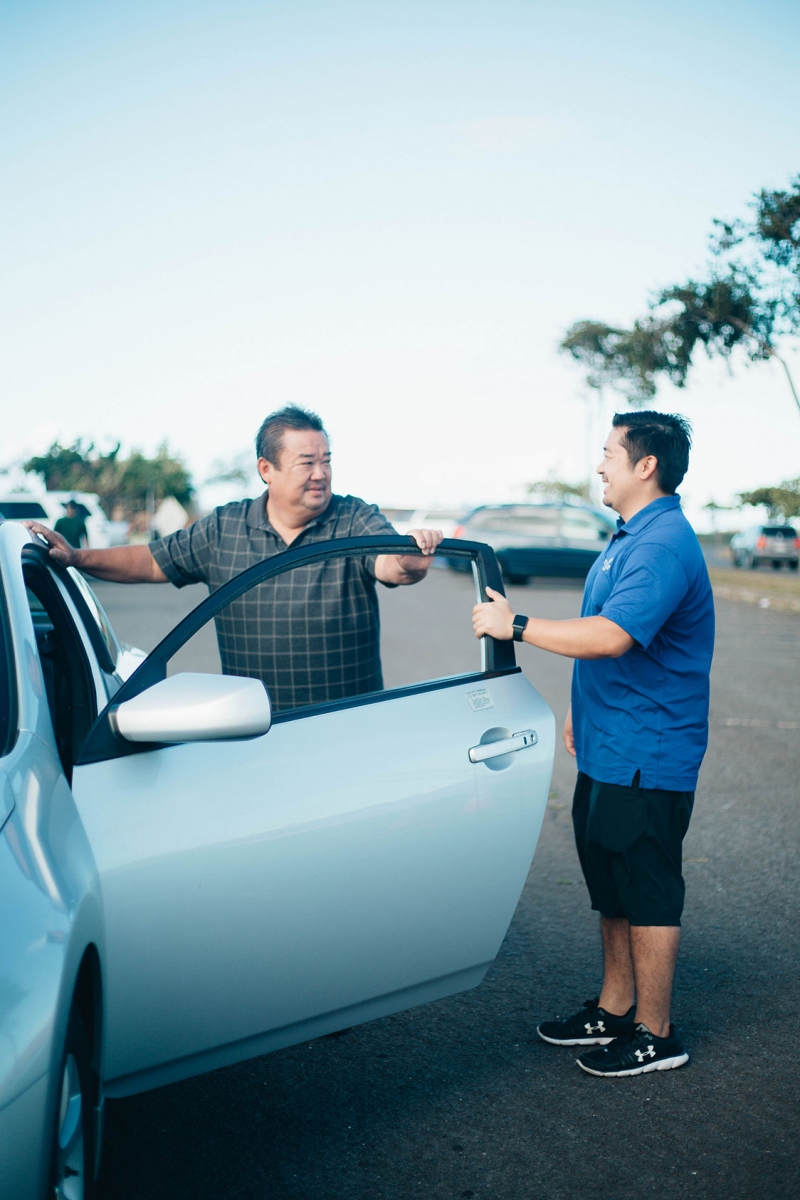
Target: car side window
x=319, y=648
x=325, y=632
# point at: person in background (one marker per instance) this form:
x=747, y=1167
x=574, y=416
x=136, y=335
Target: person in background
x=72, y=527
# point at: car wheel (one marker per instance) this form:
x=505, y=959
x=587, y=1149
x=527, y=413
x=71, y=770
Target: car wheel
x=72, y=1156
x=793, y=565
x=514, y=578
x=750, y=562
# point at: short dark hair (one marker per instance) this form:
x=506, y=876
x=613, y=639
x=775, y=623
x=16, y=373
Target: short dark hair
x=667, y=436
x=269, y=439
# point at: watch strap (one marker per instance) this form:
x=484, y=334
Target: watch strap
x=519, y=624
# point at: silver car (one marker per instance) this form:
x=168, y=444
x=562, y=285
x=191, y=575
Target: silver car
x=187, y=881
x=775, y=544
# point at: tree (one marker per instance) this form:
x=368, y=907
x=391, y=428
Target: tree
x=782, y=501
x=121, y=483
x=749, y=300
x=556, y=489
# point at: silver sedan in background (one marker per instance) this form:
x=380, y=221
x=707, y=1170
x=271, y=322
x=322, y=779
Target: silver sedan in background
x=188, y=880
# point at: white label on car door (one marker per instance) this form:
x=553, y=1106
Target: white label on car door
x=479, y=699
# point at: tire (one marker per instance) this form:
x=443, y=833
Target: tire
x=72, y=1158
x=793, y=565
x=512, y=579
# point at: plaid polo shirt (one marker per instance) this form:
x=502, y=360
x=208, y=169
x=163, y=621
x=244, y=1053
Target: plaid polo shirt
x=312, y=633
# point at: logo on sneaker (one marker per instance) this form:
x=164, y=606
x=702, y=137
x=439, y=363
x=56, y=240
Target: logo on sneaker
x=643, y=1054
x=598, y=1028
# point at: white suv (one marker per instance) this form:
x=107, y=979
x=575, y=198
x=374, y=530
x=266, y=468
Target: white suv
x=47, y=507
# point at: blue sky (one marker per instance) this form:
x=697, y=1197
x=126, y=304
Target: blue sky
x=389, y=212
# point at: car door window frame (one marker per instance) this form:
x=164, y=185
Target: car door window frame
x=498, y=657
x=8, y=681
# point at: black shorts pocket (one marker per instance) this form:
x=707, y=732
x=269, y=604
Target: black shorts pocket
x=617, y=816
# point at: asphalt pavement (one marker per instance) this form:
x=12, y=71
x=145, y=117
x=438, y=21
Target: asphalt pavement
x=461, y=1098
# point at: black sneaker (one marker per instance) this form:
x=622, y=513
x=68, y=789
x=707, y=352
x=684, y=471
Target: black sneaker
x=635, y=1054
x=593, y=1026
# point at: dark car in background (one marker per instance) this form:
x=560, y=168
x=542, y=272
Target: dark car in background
x=775, y=544
x=539, y=539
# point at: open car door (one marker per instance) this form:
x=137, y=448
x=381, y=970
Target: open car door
x=356, y=859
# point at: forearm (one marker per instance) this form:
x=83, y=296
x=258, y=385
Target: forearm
x=401, y=569
x=581, y=637
x=121, y=564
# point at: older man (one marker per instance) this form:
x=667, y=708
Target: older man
x=638, y=725
x=311, y=633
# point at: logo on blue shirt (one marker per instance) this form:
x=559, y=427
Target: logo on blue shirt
x=607, y=563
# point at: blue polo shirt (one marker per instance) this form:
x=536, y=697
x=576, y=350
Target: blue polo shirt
x=648, y=709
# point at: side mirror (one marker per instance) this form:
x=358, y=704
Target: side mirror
x=195, y=708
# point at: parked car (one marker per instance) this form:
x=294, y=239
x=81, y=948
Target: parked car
x=539, y=539
x=47, y=507
x=187, y=881
x=761, y=544
x=446, y=519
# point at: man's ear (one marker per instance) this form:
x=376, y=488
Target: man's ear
x=265, y=469
x=647, y=466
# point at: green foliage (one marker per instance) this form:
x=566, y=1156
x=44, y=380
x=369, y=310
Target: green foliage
x=750, y=298
x=556, y=489
x=781, y=501
x=121, y=483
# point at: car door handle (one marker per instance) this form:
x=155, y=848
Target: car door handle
x=509, y=745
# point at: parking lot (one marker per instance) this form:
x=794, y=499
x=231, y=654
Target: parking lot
x=461, y=1098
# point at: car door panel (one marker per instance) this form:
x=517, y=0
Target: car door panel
x=340, y=860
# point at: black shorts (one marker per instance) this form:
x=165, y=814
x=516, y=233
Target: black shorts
x=629, y=843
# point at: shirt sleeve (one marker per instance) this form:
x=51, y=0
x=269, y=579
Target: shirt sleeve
x=368, y=518
x=647, y=593
x=185, y=556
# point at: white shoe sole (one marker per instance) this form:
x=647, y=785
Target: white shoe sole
x=591, y=1041
x=663, y=1064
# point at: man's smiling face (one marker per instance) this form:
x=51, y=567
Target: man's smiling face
x=301, y=481
x=620, y=476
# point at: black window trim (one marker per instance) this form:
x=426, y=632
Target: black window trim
x=104, y=743
x=9, y=667
x=40, y=555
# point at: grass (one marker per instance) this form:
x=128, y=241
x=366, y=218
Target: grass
x=763, y=587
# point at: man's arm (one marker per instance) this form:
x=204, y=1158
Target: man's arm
x=119, y=564
x=581, y=637
x=409, y=568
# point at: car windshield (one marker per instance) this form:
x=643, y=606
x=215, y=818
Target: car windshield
x=97, y=611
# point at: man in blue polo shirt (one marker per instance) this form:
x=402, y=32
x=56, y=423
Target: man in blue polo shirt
x=638, y=725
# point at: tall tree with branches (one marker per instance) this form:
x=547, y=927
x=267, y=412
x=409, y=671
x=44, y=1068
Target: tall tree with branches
x=749, y=301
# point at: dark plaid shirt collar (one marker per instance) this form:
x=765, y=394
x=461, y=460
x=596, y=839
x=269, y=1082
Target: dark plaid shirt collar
x=257, y=517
